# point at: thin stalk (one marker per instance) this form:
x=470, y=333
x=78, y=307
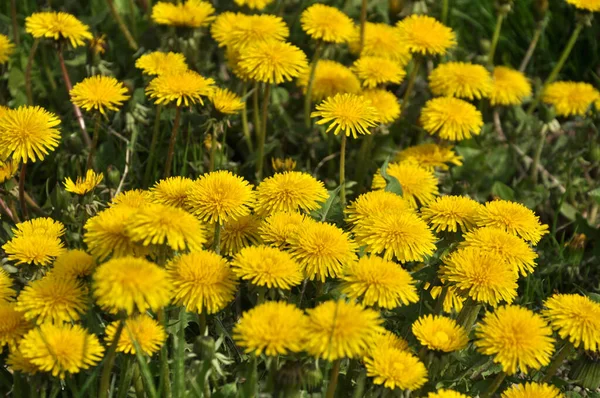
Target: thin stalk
x=333, y=379
x=445, y=7
x=165, y=375
x=151, y=154
x=47, y=70
x=22, y=201
x=15, y=23
x=343, y=170
x=245, y=127
x=125, y=382
x=255, y=109
x=180, y=355
x=69, y=87
x=95, y=134
x=365, y=147
x=411, y=82
x=263, y=133
x=496, y=37
x=32, y=52
x=311, y=82
x=202, y=323
x=122, y=26
x=272, y=376
x=217, y=239
x=538, y=154
x=494, y=386
x=468, y=315
x=110, y=362
x=132, y=7
x=532, y=46
x=213, y=148
x=172, y=141
x=138, y=384
x=363, y=23
x=558, y=360
x=146, y=375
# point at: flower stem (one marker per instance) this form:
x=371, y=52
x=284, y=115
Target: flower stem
x=180, y=355
x=333, y=379
x=138, y=384
x=125, y=382
x=151, y=154
x=311, y=82
x=468, y=315
x=445, y=7
x=363, y=162
x=363, y=23
x=255, y=110
x=22, y=191
x=411, y=82
x=343, y=170
x=272, y=376
x=263, y=133
x=494, y=386
x=15, y=23
x=538, y=154
x=496, y=37
x=202, y=323
x=217, y=239
x=165, y=375
x=558, y=360
x=90, y=158
x=32, y=52
x=532, y=46
x=122, y=26
x=245, y=127
x=213, y=148
x=110, y=361
x=172, y=141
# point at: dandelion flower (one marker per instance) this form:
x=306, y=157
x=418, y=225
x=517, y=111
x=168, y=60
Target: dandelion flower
x=440, y=333
x=394, y=368
x=18, y=363
x=374, y=204
x=74, y=264
x=159, y=63
x=431, y=156
x=589, y=5
x=99, y=93
x=61, y=349
x=347, y=113
x=452, y=301
x=510, y=87
x=279, y=227
x=379, y=282
x=330, y=78
x=386, y=104
x=6, y=291
x=129, y=283
x=240, y=233
x=461, y=80
x=418, y=184
x=517, y=339
x=532, y=390
x=83, y=185
x=190, y=14
x=6, y=48
x=8, y=169
x=248, y=30
x=185, y=87
x=38, y=249
x=484, y=276
x=283, y=164
x=340, y=329
x=513, y=249
x=446, y=394
x=451, y=213
x=226, y=102
x=253, y=4
x=220, y=197
x=142, y=329
x=576, y=318
x=322, y=250
x=267, y=266
x=386, y=340
x=272, y=61
x=451, y=118
x=381, y=40
x=202, y=281
x=425, y=35
x=289, y=191
x=512, y=217
x=224, y=25
x=132, y=199
x=28, y=133
x=570, y=98
x=39, y=226
x=171, y=191
x=13, y=324
x=327, y=23
x=57, y=26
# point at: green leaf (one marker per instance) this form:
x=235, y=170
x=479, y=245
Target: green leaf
x=328, y=206
x=595, y=194
x=568, y=211
x=393, y=185
x=503, y=191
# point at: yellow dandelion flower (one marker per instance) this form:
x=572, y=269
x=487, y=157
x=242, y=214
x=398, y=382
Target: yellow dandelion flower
x=159, y=63
x=386, y=103
x=28, y=133
x=273, y=328
x=98, y=44
x=39, y=226
x=226, y=102
x=401, y=235
x=452, y=301
x=484, y=276
x=283, y=164
x=322, y=249
x=132, y=199
x=330, y=78
x=171, y=191
x=340, y=329
x=99, y=93
x=532, y=390
x=248, y=30
x=267, y=266
x=446, y=394
x=190, y=14
x=57, y=26
x=425, y=35
x=142, y=329
x=220, y=196
x=7, y=293
x=129, y=284
x=61, y=349
x=272, y=61
x=327, y=23
x=513, y=249
x=440, y=333
x=347, y=113
x=253, y=4
x=576, y=318
x=13, y=324
x=418, y=184
x=510, y=87
x=83, y=185
x=232, y=56
x=185, y=87
x=378, y=282
x=381, y=40
x=374, y=204
x=589, y=5
x=395, y=368
x=376, y=71
x=512, y=217
x=384, y=341
x=451, y=213
x=430, y=156
x=461, y=80
x=74, y=264
x=240, y=233
x=451, y=118
x=517, y=339
x=18, y=363
x=202, y=281
x=8, y=169
x=279, y=227
x=35, y=249
x=6, y=48
x=224, y=25
x=570, y=98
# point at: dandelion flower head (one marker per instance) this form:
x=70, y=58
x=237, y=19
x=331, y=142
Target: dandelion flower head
x=81, y=186
x=381, y=40
x=191, y=13
x=348, y=113
x=38, y=249
x=8, y=169
x=589, y=5
x=431, y=156
x=145, y=331
x=570, y=98
x=99, y=93
x=451, y=118
x=532, y=390
x=240, y=233
x=185, y=87
x=267, y=266
x=514, y=218
x=247, y=30
x=74, y=263
x=440, y=333
x=132, y=199
x=253, y=4
x=57, y=26
x=13, y=324
x=226, y=102
x=158, y=63
x=394, y=368
x=39, y=226
x=446, y=394
x=171, y=191
x=425, y=35
x=451, y=213
x=18, y=363
x=330, y=78
x=386, y=104
x=510, y=87
x=6, y=291
x=374, y=204
x=418, y=184
x=279, y=227
x=461, y=80
x=272, y=61
x=283, y=164
x=289, y=191
x=326, y=23
x=6, y=48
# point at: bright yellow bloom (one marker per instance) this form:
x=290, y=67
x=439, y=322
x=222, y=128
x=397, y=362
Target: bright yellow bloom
x=384, y=341
x=8, y=169
x=347, y=113
x=267, y=266
x=7, y=293
x=431, y=156
x=240, y=233
x=590, y=5
x=158, y=63
x=451, y=213
x=273, y=328
x=452, y=301
x=461, y=80
x=451, y=118
x=98, y=44
x=142, y=329
x=512, y=217
x=283, y=164
x=61, y=349
x=513, y=249
x=278, y=228
x=330, y=78
x=99, y=92
x=386, y=103
x=226, y=102
x=38, y=249
x=418, y=184
x=39, y=226
x=517, y=339
x=289, y=191
x=202, y=281
x=440, y=333
x=425, y=35
x=378, y=282
x=129, y=284
x=272, y=61
x=576, y=318
x=6, y=48
x=510, y=87
x=18, y=363
x=484, y=276
x=446, y=394
x=171, y=191
x=224, y=25
x=247, y=30
x=133, y=199
x=340, y=329
x=381, y=40
x=83, y=185
x=395, y=368
x=532, y=390
x=570, y=98
x=74, y=264
x=372, y=205
x=253, y=4
x=327, y=23
x=220, y=196
x=185, y=87
x=322, y=249
x=190, y=14
x=57, y=26
x=28, y=133
x=13, y=324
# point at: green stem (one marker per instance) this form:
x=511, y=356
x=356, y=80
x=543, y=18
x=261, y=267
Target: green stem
x=445, y=11
x=90, y=158
x=110, y=361
x=538, y=154
x=180, y=355
x=311, y=82
x=138, y=384
x=122, y=26
x=202, y=323
x=245, y=127
x=272, y=376
x=22, y=201
x=213, y=148
x=496, y=37
x=153, y=142
x=363, y=23
x=172, y=141
x=532, y=46
x=333, y=379
x=15, y=23
x=468, y=315
x=343, y=169
x=217, y=239
x=263, y=133
x=125, y=382
x=255, y=109
x=558, y=360
x=494, y=386
x=363, y=163
x=32, y=52
x=411, y=82
x=165, y=375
